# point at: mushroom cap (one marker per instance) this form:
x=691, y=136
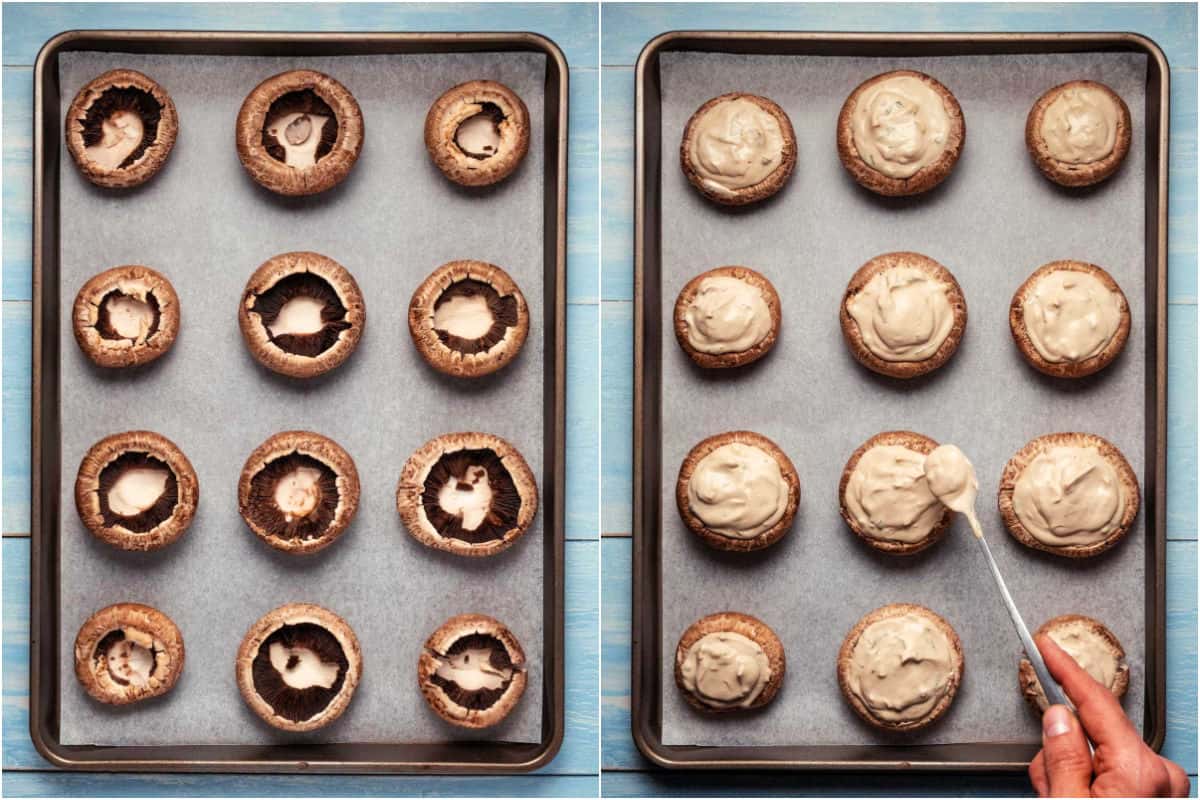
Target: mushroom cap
x=442, y=640
x=457, y=105
x=154, y=628
x=107, y=352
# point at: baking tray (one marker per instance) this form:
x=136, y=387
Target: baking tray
x=284, y=754
x=656, y=157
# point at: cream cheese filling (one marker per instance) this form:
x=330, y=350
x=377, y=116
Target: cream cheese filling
x=901, y=668
x=1088, y=649
x=1069, y=496
x=725, y=670
x=472, y=670
x=903, y=314
x=297, y=493
x=726, y=315
x=136, y=490
x=1080, y=125
x=464, y=316
x=299, y=316
x=299, y=134
x=900, y=126
x=952, y=480
x=738, y=491
x=301, y=668
x=130, y=662
x=735, y=144
x=469, y=497
x=121, y=134
x=1071, y=316
x=888, y=496
x=478, y=136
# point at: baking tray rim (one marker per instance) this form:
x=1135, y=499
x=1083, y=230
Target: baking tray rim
x=647, y=588
x=44, y=586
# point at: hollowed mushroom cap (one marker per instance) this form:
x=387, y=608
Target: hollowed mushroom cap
x=457, y=469
x=509, y=136
x=126, y=316
x=324, y=484
x=308, y=642
x=283, y=279
x=131, y=456
x=307, y=91
x=115, y=91
x=128, y=652
x=446, y=660
x=451, y=337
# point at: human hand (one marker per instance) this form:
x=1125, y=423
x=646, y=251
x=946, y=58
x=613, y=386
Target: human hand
x=1123, y=766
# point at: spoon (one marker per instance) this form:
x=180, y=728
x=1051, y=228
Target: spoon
x=951, y=479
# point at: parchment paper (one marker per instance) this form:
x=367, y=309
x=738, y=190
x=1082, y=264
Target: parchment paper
x=206, y=225
x=992, y=223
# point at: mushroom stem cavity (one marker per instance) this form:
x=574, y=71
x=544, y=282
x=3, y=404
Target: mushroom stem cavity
x=122, y=133
x=298, y=493
x=301, y=668
x=130, y=311
x=299, y=316
x=464, y=316
x=468, y=497
x=300, y=129
x=137, y=490
x=119, y=125
x=478, y=136
x=128, y=656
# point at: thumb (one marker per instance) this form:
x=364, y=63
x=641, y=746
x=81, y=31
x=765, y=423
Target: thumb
x=1065, y=751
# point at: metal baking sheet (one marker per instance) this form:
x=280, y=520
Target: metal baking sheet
x=206, y=225
x=993, y=222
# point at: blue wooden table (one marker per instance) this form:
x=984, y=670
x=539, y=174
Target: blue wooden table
x=573, y=28
x=626, y=29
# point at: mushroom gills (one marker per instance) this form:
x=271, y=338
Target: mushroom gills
x=478, y=136
x=128, y=656
x=128, y=313
x=294, y=496
x=302, y=314
x=119, y=125
x=459, y=316
x=469, y=495
x=300, y=129
x=474, y=672
x=137, y=492
x=309, y=655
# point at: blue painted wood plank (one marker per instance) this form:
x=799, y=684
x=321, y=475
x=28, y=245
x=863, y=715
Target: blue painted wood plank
x=1181, y=241
x=583, y=188
x=1181, y=421
x=1172, y=26
x=63, y=784
x=661, y=783
x=578, y=755
x=583, y=422
x=572, y=26
x=17, y=331
x=616, y=415
x=617, y=170
x=18, y=186
x=619, y=751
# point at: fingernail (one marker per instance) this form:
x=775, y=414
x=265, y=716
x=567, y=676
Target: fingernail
x=1056, y=721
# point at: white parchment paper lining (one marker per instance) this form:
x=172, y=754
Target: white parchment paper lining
x=206, y=225
x=992, y=223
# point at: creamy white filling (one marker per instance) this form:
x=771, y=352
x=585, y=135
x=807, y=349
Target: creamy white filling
x=903, y=314
x=297, y=493
x=900, y=126
x=738, y=491
x=736, y=144
x=478, y=136
x=129, y=316
x=130, y=662
x=901, y=667
x=469, y=497
x=136, y=490
x=464, y=316
x=121, y=134
x=1069, y=496
x=301, y=668
x=726, y=315
x=952, y=480
x=299, y=316
x=299, y=134
x=1071, y=316
x=472, y=670
x=725, y=670
x=888, y=496
x=1080, y=125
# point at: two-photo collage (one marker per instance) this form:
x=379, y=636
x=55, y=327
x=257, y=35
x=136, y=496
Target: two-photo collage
x=599, y=399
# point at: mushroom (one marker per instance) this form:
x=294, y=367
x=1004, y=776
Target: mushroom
x=468, y=318
x=298, y=667
x=128, y=652
x=120, y=129
x=126, y=316
x=298, y=491
x=477, y=133
x=299, y=132
x=136, y=490
x=302, y=314
x=472, y=671
x=468, y=493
